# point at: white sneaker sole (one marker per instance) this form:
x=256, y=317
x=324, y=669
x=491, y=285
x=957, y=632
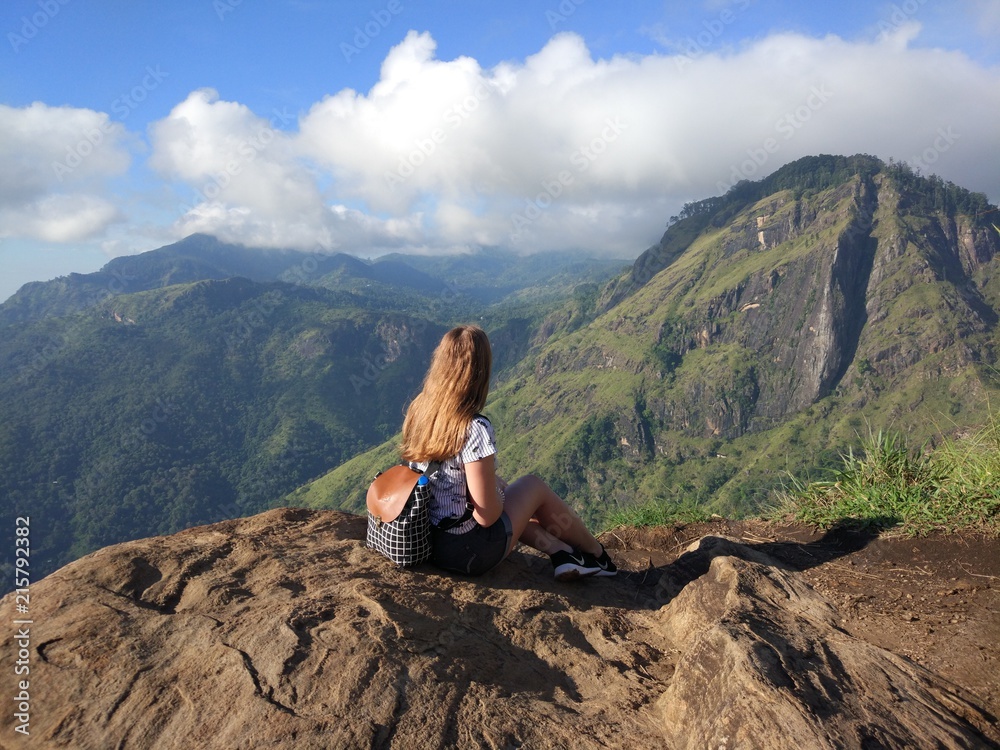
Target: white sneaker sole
x=573, y=572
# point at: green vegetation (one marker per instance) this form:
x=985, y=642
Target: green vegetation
x=751, y=344
x=887, y=485
x=191, y=404
x=144, y=407
x=884, y=485
x=658, y=514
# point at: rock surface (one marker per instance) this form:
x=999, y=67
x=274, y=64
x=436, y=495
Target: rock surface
x=282, y=630
x=764, y=664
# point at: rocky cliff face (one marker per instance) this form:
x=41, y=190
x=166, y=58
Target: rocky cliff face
x=805, y=288
x=282, y=630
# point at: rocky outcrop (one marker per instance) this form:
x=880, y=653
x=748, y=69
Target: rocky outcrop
x=764, y=664
x=282, y=630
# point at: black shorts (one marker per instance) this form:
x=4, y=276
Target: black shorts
x=474, y=552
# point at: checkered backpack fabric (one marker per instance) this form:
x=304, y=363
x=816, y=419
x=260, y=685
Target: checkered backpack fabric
x=398, y=524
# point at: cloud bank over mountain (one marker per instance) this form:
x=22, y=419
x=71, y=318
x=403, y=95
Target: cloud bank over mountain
x=559, y=150
x=56, y=163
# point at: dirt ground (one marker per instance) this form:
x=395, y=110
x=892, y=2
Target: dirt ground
x=933, y=599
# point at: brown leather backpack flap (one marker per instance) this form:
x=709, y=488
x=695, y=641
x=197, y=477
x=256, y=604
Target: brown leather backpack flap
x=388, y=493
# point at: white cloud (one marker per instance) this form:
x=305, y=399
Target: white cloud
x=227, y=153
x=55, y=163
x=602, y=146
x=562, y=150
x=401, y=140
x=59, y=218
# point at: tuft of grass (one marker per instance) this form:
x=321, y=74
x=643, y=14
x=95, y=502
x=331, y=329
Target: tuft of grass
x=658, y=514
x=888, y=485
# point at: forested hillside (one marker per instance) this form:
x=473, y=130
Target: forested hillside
x=192, y=404
x=131, y=413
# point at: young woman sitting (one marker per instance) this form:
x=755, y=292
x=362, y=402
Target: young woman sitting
x=477, y=517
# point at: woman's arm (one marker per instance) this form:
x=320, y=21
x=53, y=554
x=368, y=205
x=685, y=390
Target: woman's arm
x=481, y=477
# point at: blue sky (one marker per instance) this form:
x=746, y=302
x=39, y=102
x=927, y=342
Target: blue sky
x=384, y=126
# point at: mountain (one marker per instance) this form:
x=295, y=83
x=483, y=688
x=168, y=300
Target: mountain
x=199, y=257
x=452, y=286
x=766, y=330
x=490, y=275
x=216, y=389
x=195, y=258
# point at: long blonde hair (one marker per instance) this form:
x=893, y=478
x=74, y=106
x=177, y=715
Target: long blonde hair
x=454, y=391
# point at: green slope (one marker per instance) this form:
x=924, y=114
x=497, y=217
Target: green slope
x=191, y=404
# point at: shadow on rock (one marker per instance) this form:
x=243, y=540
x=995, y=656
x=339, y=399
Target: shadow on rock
x=839, y=541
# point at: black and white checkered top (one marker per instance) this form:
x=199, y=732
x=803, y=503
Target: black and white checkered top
x=448, y=483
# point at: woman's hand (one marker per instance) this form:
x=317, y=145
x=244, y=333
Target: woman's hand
x=483, y=483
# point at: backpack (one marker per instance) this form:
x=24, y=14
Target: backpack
x=398, y=524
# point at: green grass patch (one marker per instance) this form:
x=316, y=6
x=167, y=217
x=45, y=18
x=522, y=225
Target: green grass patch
x=888, y=485
x=658, y=514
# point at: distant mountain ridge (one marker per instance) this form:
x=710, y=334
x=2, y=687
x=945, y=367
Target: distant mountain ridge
x=198, y=257
x=462, y=282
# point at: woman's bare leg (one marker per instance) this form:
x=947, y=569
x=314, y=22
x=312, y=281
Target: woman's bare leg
x=538, y=538
x=542, y=520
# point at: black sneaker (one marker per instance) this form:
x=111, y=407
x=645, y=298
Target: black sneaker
x=572, y=565
x=604, y=564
